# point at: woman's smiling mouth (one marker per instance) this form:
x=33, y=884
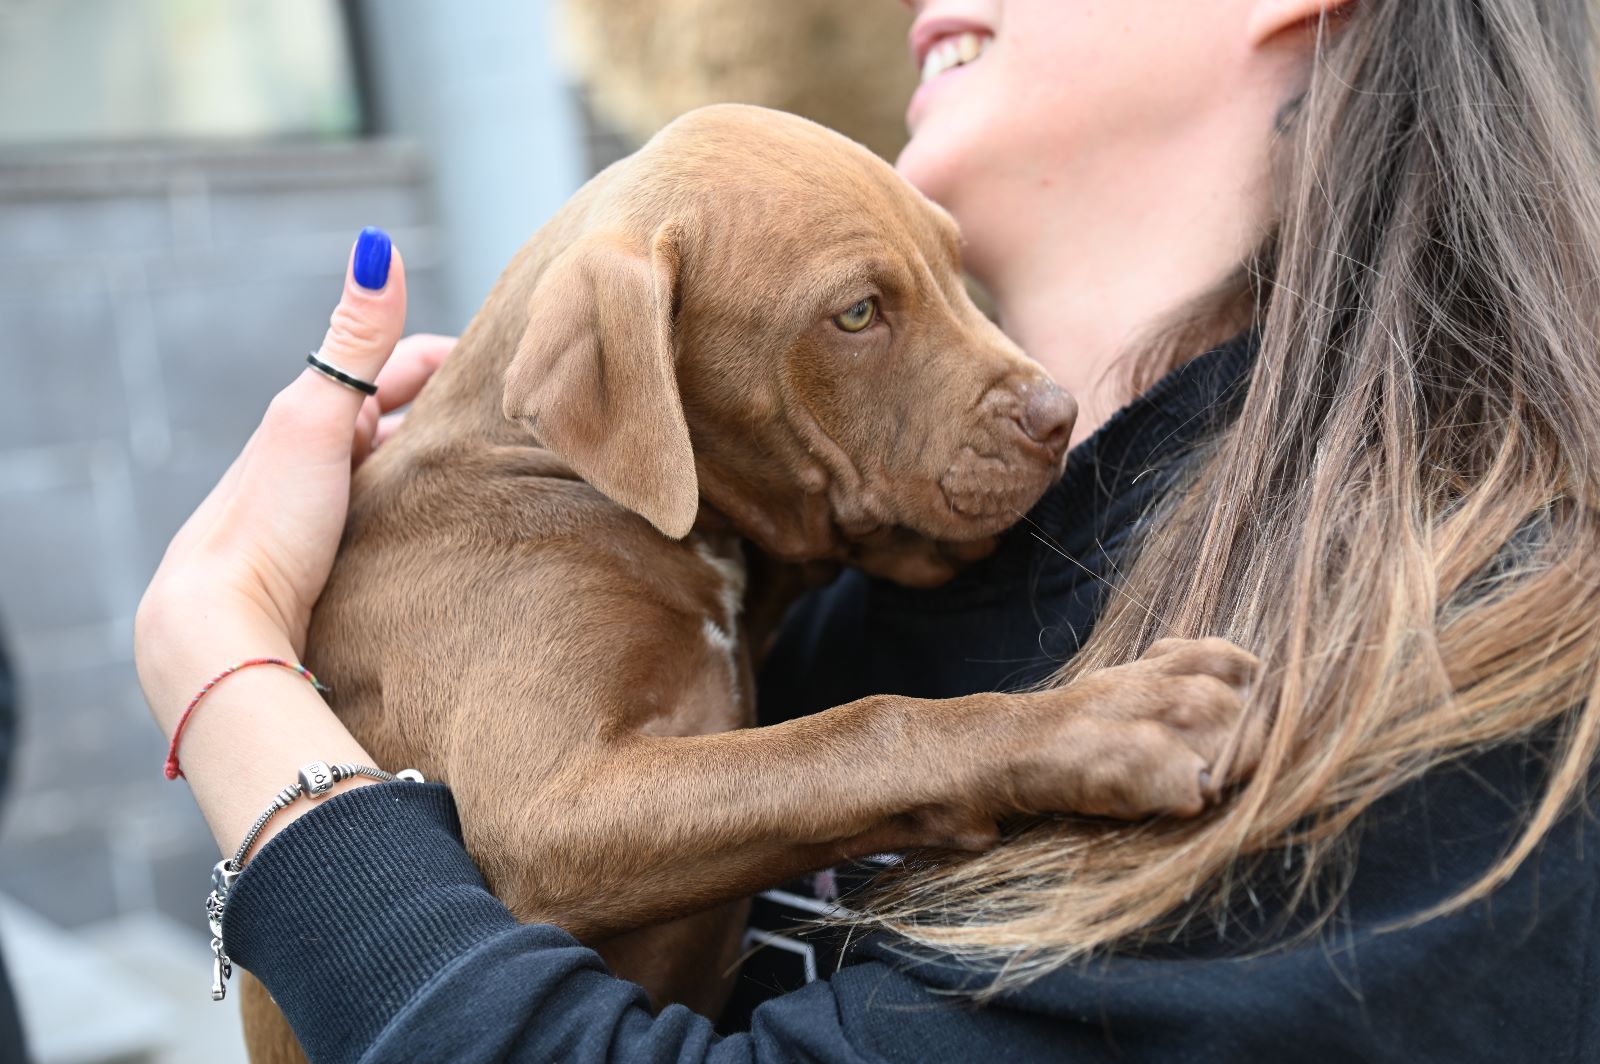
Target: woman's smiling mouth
x=953, y=50
x=940, y=45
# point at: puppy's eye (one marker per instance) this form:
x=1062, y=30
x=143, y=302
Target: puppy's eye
x=857, y=317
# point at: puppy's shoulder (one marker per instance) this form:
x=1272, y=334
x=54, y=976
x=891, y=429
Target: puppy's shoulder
x=504, y=498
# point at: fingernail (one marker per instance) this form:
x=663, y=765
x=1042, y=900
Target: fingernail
x=371, y=265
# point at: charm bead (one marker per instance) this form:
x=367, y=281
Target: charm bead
x=317, y=778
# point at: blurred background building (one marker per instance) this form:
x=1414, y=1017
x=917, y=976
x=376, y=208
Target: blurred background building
x=180, y=182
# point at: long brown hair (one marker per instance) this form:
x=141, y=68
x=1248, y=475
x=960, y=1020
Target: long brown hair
x=1403, y=520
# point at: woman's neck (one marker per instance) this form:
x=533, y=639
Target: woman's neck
x=1086, y=278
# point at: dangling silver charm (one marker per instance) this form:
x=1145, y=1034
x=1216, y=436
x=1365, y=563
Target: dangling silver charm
x=221, y=970
x=222, y=877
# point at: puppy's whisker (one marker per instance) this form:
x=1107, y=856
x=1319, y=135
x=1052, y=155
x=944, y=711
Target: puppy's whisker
x=1155, y=618
x=1045, y=538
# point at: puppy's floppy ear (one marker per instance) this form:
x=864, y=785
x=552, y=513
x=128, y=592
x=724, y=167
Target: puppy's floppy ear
x=594, y=376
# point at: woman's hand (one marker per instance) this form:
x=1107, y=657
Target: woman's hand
x=241, y=576
x=266, y=535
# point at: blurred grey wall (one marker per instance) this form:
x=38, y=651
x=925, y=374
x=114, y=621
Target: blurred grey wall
x=476, y=86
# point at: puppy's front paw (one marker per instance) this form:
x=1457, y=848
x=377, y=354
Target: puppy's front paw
x=1158, y=735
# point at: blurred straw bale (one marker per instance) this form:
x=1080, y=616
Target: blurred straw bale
x=839, y=62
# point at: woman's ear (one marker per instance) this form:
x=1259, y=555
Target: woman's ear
x=594, y=376
x=1269, y=18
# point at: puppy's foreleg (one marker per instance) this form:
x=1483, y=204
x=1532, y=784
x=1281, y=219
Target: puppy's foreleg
x=637, y=829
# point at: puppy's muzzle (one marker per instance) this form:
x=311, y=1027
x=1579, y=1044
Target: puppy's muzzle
x=1015, y=452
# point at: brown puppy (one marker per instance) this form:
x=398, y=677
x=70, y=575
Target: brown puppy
x=751, y=328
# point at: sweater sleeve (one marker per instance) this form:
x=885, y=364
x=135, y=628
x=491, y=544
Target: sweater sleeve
x=376, y=935
x=373, y=930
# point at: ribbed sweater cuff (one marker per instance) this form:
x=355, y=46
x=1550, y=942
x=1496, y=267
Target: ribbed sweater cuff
x=350, y=910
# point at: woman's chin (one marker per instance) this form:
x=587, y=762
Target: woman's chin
x=935, y=160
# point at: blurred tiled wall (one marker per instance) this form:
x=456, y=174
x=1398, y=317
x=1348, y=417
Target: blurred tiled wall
x=151, y=302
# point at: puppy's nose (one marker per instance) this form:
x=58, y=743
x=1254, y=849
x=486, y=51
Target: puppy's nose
x=1048, y=415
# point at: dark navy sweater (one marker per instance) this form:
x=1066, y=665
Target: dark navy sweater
x=373, y=930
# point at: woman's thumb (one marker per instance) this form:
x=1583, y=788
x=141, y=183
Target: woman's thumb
x=316, y=411
x=365, y=326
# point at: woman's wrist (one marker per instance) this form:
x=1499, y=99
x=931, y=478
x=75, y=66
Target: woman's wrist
x=250, y=736
x=185, y=636
x=260, y=728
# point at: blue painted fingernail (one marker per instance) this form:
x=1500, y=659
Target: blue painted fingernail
x=371, y=267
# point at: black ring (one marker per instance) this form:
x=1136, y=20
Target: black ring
x=335, y=373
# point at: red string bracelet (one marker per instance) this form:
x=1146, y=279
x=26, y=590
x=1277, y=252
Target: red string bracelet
x=172, y=770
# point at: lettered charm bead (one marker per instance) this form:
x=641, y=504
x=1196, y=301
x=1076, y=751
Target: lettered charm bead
x=316, y=778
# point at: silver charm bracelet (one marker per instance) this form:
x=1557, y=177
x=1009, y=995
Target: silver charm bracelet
x=315, y=780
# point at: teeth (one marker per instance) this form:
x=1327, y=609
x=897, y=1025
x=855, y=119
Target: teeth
x=953, y=52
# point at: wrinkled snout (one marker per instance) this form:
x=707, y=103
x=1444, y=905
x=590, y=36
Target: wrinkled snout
x=1015, y=449
x=1048, y=414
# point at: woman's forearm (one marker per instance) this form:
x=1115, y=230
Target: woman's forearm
x=377, y=937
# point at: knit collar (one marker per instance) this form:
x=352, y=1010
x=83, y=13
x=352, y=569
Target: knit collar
x=1153, y=432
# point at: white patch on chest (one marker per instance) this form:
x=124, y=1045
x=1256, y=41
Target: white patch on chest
x=719, y=637
x=722, y=631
